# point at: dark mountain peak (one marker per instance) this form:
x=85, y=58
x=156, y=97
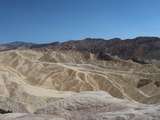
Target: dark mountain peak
x=17, y=44
x=146, y=38
x=93, y=39
x=115, y=39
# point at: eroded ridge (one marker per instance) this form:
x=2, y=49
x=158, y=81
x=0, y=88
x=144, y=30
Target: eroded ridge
x=69, y=85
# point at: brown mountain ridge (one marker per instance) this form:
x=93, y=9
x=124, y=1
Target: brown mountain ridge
x=140, y=49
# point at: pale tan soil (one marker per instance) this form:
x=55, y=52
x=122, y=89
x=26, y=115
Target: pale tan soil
x=49, y=83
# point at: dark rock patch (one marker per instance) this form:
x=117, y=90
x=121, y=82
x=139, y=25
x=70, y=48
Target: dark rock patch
x=5, y=111
x=143, y=82
x=157, y=83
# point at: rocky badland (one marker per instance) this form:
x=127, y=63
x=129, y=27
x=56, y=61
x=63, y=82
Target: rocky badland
x=90, y=79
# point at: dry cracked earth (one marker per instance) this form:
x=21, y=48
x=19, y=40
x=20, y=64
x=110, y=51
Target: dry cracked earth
x=71, y=85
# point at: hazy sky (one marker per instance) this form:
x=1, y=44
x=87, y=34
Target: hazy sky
x=53, y=20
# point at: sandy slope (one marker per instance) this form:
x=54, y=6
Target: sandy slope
x=72, y=71
x=48, y=82
x=90, y=106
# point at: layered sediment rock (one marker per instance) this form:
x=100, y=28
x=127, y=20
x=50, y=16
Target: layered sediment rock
x=68, y=85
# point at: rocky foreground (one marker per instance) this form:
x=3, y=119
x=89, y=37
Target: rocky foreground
x=90, y=106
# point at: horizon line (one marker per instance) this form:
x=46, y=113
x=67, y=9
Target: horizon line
x=61, y=41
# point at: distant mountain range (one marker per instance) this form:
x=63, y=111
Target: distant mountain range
x=140, y=49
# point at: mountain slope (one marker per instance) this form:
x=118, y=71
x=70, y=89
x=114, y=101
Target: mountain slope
x=80, y=80
x=72, y=71
x=140, y=49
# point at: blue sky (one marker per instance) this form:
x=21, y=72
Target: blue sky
x=59, y=20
